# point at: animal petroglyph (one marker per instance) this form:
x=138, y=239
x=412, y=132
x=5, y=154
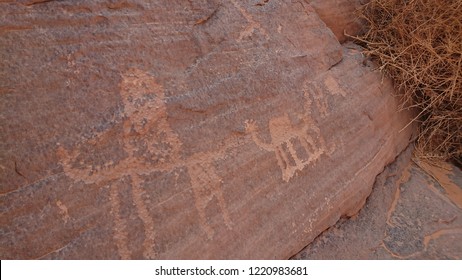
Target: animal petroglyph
x=151, y=146
x=318, y=98
x=252, y=23
x=284, y=134
x=318, y=90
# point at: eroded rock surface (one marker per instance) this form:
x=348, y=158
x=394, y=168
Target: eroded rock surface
x=412, y=213
x=340, y=16
x=183, y=129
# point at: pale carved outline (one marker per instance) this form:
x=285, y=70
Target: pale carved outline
x=284, y=132
x=252, y=23
x=145, y=121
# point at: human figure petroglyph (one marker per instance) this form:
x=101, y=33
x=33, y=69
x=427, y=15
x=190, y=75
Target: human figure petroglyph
x=120, y=231
x=146, y=118
x=206, y=185
x=144, y=125
x=151, y=146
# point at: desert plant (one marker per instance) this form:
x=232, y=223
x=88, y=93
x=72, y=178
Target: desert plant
x=418, y=43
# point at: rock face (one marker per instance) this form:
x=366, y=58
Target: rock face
x=412, y=213
x=183, y=129
x=339, y=15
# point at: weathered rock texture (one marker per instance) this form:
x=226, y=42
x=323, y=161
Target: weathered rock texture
x=339, y=15
x=183, y=129
x=412, y=213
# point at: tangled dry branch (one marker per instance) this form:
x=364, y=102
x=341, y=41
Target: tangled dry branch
x=418, y=43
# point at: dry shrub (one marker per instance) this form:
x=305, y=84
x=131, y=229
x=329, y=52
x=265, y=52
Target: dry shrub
x=419, y=45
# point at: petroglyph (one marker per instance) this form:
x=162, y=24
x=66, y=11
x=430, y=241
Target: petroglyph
x=206, y=185
x=120, y=231
x=64, y=211
x=151, y=146
x=143, y=213
x=317, y=90
x=252, y=23
x=333, y=87
x=144, y=125
x=437, y=234
x=285, y=134
x=146, y=118
x=318, y=98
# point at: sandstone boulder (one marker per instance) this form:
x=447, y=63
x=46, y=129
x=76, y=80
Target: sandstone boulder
x=339, y=15
x=412, y=213
x=183, y=129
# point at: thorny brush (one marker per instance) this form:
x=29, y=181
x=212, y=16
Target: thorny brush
x=418, y=43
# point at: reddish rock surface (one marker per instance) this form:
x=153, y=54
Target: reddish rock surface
x=412, y=213
x=183, y=129
x=339, y=15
